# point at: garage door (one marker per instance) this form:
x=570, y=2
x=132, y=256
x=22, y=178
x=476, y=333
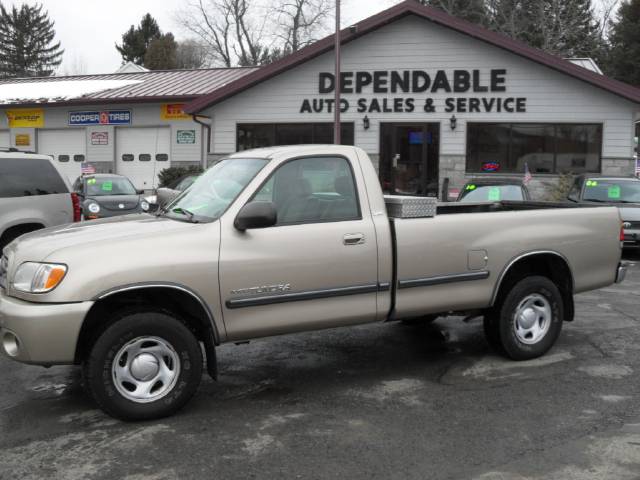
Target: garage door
x=67, y=147
x=141, y=153
x=5, y=139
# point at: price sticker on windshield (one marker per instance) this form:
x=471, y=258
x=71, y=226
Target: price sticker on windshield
x=494, y=194
x=614, y=192
x=592, y=183
x=91, y=181
x=107, y=186
x=470, y=187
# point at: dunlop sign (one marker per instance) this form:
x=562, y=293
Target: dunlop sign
x=26, y=118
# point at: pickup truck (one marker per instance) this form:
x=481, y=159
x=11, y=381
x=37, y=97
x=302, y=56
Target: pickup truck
x=281, y=240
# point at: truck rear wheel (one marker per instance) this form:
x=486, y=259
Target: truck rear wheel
x=528, y=321
x=146, y=365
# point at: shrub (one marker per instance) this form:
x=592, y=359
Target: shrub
x=560, y=190
x=168, y=176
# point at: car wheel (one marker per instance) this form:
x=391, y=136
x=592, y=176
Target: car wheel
x=145, y=365
x=529, y=319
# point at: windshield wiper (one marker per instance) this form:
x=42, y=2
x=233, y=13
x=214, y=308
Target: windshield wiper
x=190, y=215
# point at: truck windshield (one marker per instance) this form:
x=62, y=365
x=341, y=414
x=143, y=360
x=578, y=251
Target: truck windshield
x=215, y=190
x=491, y=193
x=612, y=191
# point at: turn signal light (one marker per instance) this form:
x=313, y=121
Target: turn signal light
x=622, y=233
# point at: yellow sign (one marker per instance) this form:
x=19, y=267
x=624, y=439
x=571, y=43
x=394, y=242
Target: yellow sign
x=30, y=118
x=23, y=140
x=173, y=111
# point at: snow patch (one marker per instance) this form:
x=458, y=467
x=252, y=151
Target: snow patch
x=55, y=91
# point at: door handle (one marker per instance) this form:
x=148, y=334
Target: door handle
x=353, y=239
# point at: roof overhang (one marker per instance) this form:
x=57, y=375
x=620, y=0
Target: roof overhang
x=80, y=102
x=411, y=7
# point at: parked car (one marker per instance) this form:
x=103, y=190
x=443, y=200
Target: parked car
x=623, y=192
x=283, y=240
x=165, y=195
x=33, y=195
x=492, y=189
x=108, y=195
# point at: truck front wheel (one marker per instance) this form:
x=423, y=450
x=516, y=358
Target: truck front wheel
x=528, y=321
x=146, y=365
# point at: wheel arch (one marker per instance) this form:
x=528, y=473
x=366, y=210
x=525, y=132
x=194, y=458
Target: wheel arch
x=180, y=300
x=547, y=263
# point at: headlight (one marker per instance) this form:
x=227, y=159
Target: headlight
x=144, y=205
x=94, y=207
x=34, y=277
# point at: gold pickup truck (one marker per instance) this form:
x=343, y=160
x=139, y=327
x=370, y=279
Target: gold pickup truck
x=283, y=240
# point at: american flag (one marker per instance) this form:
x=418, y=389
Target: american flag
x=87, y=169
x=527, y=174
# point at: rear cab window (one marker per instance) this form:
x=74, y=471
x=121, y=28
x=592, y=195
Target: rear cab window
x=23, y=177
x=491, y=193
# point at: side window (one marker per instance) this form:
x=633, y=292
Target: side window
x=574, y=193
x=312, y=190
x=63, y=158
x=23, y=177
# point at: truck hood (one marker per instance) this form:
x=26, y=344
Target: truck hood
x=39, y=245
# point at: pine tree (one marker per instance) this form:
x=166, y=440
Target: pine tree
x=624, y=58
x=474, y=11
x=27, y=47
x=162, y=53
x=136, y=40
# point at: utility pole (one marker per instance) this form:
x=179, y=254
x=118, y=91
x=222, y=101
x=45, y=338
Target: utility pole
x=336, y=107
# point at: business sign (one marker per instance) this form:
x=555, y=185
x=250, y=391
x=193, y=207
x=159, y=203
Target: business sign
x=25, y=118
x=186, y=136
x=407, y=91
x=107, y=117
x=491, y=167
x=23, y=140
x=99, y=138
x=173, y=111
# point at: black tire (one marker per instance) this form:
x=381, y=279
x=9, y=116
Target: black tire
x=500, y=328
x=97, y=367
x=420, y=321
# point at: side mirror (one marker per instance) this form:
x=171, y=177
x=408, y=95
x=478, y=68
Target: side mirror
x=256, y=215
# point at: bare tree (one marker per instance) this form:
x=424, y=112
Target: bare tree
x=191, y=54
x=301, y=22
x=231, y=30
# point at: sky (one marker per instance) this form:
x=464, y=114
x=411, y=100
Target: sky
x=89, y=29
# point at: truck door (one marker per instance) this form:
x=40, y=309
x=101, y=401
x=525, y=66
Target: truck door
x=317, y=267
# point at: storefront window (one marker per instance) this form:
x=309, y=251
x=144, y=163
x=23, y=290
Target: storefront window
x=545, y=148
x=259, y=135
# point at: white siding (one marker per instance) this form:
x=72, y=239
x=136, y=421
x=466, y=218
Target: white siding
x=413, y=43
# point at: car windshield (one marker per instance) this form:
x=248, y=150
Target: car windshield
x=101, y=186
x=612, y=191
x=215, y=190
x=186, y=182
x=491, y=193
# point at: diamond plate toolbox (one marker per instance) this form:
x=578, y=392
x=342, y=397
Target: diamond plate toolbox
x=399, y=206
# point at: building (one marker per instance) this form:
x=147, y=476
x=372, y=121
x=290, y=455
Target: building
x=428, y=96
x=129, y=123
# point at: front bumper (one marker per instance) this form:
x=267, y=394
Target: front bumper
x=40, y=333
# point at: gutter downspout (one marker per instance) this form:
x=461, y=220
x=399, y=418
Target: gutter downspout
x=207, y=126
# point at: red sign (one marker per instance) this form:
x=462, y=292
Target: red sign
x=491, y=167
x=99, y=138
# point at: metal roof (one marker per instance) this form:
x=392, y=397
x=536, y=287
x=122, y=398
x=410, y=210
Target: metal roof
x=401, y=10
x=158, y=85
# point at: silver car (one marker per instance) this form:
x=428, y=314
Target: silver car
x=33, y=195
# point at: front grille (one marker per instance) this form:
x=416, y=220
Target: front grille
x=4, y=266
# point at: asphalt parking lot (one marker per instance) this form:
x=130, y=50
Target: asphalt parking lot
x=377, y=401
